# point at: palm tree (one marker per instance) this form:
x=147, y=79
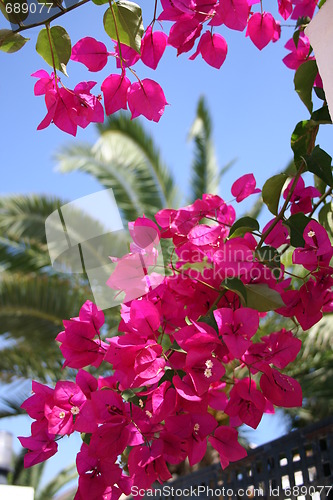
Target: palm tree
x=33, y=477
x=34, y=298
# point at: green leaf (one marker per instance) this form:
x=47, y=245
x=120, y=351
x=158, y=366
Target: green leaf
x=319, y=163
x=271, y=192
x=11, y=42
x=304, y=80
x=322, y=116
x=55, y=46
x=124, y=21
x=271, y=258
x=325, y=217
x=100, y=2
x=244, y=225
x=320, y=93
x=263, y=298
x=296, y=224
x=86, y=436
x=301, y=139
x=237, y=286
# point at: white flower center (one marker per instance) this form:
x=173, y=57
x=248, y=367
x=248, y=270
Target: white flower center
x=311, y=234
x=149, y=414
x=196, y=427
x=208, y=373
x=75, y=410
x=62, y=414
x=141, y=403
x=209, y=363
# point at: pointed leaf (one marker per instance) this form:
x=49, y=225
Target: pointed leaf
x=304, y=80
x=319, y=163
x=297, y=224
x=242, y=226
x=11, y=42
x=237, y=286
x=125, y=21
x=271, y=192
x=262, y=298
x=54, y=46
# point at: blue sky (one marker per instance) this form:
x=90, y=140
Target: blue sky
x=252, y=103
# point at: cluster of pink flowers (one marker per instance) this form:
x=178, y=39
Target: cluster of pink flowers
x=68, y=109
x=187, y=346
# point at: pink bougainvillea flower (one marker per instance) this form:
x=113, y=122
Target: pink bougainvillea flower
x=285, y=8
x=237, y=328
x=299, y=54
x=225, y=441
x=91, y=53
x=261, y=29
x=280, y=389
x=146, y=98
x=144, y=232
x=68, y=109
x=317, y=251
x=244, y=186
x=129, y=55
x=115, y=88
x=40, y=446
x=213, y=49
x=246, y=402
x=45, y=82
x=303, y=8
x=283, y=347
x=152, y=47
x=183, y=34
x=278, y=236
x=301, y=199
x=187, y=6
x=88, y=108
x=232, y=13
x=146, y=465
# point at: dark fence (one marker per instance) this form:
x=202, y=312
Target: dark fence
x=296, y=466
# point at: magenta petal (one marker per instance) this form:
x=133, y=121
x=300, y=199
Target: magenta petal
x=152, y=47
x=146, y=98
x=91, y=53
x=115, y=89
x=261, y=29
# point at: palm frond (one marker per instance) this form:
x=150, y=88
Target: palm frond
x=64, y=477
x=31, y=312
x=125, y=159
x=204, y=171
x=16, y=393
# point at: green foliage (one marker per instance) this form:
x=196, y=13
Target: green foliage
x=54, y=45
x=242, y=226
x=304, y=80
x=237, y=286
x=205, y=175
x=123, y=22
x=296, y=224
x=319, y=163
x=11, y=42
x=262, y=298
x=271, y=192
x=325, y=217
x=301, y=140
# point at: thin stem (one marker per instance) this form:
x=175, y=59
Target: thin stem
x=321, y=199
x=50, y=19
x=283, y=209
x=47, y=26
x=117, y=35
